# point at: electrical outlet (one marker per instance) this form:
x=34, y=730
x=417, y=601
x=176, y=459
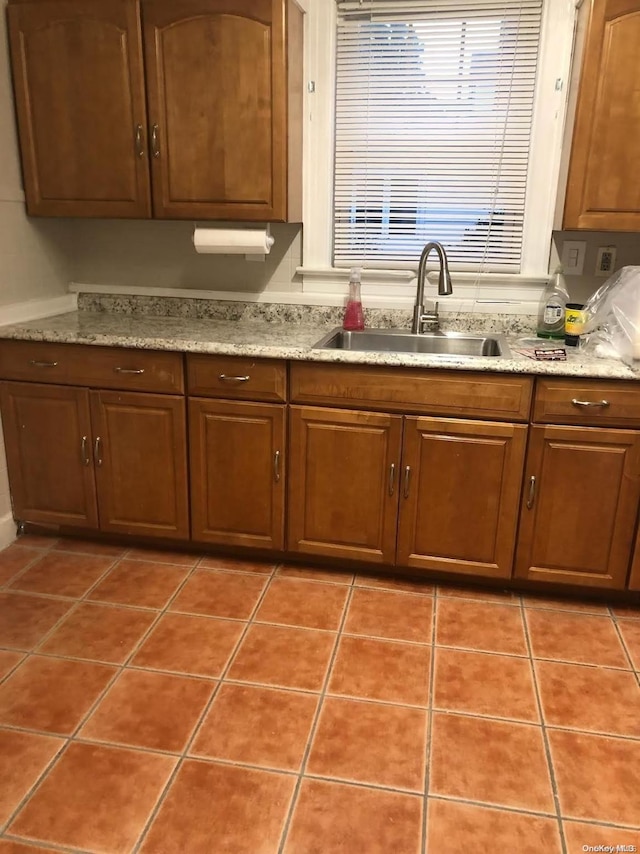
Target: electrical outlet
x=606, y=261
x=572, y=257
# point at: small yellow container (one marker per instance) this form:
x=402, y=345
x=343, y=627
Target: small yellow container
x=574, y=320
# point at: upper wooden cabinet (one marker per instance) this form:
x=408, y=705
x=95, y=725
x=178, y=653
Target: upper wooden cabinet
x=213, y=131
x=603, y=189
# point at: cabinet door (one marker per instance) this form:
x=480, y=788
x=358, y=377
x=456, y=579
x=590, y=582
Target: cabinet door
x=237, y=472
x=216, y=84
x=343, y=483
x=602, y=193
x=140, y=455
x=579, y=506
x=78, y=79
x=634, y=578
x=47, y=432
x=461, y=488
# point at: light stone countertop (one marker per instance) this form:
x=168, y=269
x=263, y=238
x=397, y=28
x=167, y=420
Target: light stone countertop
x=280, y=341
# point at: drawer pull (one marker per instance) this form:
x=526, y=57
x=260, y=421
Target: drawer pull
x=588, y=403
x=229, y=379
x=407, y=480
x=37, y=364
x=392, y=478
x=276, y=466
x=86, y=459
x=129, y=370
x=532, y=492
x=97, y=451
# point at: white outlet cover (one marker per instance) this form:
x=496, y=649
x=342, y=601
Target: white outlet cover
x=606, y=261
x=572, y=257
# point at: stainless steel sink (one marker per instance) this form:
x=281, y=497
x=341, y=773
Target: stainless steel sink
x=401, y=341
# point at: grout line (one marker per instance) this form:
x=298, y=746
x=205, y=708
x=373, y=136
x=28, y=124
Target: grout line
x=626, y=650
x=43, y=846
x=545, y=737
x=427, y=774
x=185, y=752
x=316, y=719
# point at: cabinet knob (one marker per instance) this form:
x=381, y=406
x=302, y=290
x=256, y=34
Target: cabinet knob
x=155, y=144
x=276, y=466
x=407, y=480
x=139, y=141
x=86, y=459
x=532, y=492
x=97, y=451
x=392, y=478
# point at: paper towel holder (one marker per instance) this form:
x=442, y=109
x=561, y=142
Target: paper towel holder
x=269, y=241
x=254, y=243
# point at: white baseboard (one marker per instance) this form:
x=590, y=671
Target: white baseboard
x=7, y=530
x=34, y=309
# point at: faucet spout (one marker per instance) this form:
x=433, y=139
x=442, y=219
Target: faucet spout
x=445, y=287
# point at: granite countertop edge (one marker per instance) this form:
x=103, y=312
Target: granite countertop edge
x=282, y=341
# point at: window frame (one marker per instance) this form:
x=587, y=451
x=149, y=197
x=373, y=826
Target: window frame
x=393, y=285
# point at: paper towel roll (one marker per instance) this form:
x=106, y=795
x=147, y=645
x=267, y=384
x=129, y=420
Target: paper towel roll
x=232, y=241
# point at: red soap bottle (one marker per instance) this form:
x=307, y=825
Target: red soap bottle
x=353, y=313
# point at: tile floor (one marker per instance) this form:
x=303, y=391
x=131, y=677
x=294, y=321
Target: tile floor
x=166, y=703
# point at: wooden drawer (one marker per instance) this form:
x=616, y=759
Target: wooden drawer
x=237, y=378
x=504, y=397
x=566, y=401
x=97, y=367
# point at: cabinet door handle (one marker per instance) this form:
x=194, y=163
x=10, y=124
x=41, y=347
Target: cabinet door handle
x=139, y=141
x=276, y=466
x=129, y=370
x=86, y=459
x=155, y=145
x=407, y=480
x=532, y=492
x=229, y=379
x=97, y=451
x=392, y=478
x=599, y=403
x=37, y=364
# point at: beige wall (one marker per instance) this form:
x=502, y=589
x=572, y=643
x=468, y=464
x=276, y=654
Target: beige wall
x=581, y=287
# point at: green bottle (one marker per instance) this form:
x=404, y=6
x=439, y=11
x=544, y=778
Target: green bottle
x=553, y=305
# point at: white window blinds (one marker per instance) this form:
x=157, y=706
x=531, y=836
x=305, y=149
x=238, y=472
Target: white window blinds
x=434, y=109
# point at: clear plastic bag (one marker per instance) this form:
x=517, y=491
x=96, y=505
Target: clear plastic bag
x=613, y=318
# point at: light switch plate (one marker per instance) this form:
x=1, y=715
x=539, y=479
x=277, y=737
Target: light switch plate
x=572, y=257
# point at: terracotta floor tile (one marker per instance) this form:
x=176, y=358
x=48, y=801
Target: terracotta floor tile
x=14, y=559
x=141, y=584
x=152, y=710
x=8, y=846
x=288, y=658
x=200, y=646
x=100, y=633
x=384, y=614
x=485, y=626
x=61, y=574
x=96, y=797
x=23, y=758
x=164, y=556
x=630, y=631
x=37, y=541
x=258, y=726
x=495, y=762
x=51, y=694
x=589, y=698
x=392, y=582
x=8, y=661
x=296, y=602
x=25, y=620
x=315, y=573
x=220, y=594
x=558, y=603
x=221, y=808
x=455, y=828
x=486, y=594
x=495, y=685
x=575, y=637
x=577, y=835
x=333, y=818
x=231, y=564
x=91, y=547
x=627, y=612
x=381, y=670
x=598, y=777
x=370, y=743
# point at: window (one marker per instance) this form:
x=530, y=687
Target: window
x=434, y=112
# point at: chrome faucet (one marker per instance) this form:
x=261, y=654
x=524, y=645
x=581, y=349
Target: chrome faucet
x=430, y=321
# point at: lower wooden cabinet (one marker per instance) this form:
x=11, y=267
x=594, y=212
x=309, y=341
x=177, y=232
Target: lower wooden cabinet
x=579, y=506
x=109, y=460
x=47, y=435
x=461, y=490
x=343, y=483
x=237, y=453
x=634, y=578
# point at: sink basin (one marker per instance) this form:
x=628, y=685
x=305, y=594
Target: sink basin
x=401, y=341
